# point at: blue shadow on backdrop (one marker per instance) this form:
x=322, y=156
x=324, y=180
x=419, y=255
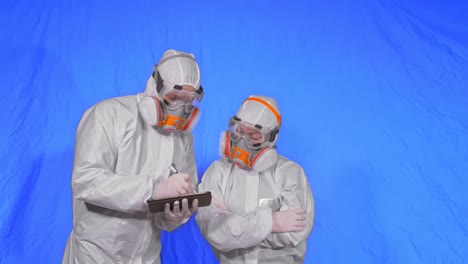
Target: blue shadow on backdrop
x=373, y=95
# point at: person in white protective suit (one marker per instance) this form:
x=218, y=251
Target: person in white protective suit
x=124, y=148
x=262, y=209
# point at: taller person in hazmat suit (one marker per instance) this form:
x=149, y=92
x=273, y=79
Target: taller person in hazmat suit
x=262, y=209
x=124, y=148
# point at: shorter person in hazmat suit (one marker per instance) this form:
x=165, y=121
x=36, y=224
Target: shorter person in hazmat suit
x=262, y=209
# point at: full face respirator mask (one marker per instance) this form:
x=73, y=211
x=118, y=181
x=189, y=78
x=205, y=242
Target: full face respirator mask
x=250, y=146
x=175, y=108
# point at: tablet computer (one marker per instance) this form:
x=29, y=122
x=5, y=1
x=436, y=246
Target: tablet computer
x=155, y=206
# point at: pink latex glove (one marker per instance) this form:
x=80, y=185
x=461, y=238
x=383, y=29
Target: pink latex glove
x=177, y=214
x=175, y=185
x=289, y=221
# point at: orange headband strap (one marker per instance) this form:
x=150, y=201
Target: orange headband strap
x=278, y=117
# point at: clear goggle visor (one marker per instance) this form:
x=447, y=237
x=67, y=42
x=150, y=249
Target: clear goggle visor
x=177, y=97
x=254, y=136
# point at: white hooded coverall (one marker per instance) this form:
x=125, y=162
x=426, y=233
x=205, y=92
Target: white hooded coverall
x=119, y=162
x=242, y=231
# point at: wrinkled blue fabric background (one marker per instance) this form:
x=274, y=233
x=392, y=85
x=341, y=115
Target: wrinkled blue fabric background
x=373, y=95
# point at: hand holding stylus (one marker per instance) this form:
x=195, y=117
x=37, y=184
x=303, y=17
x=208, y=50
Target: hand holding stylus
x=176, y=185
x=174, y=170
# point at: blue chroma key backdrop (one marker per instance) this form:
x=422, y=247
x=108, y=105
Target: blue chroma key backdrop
x=373, y=95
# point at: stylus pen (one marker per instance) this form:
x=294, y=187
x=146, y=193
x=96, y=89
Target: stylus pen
x=173, y=168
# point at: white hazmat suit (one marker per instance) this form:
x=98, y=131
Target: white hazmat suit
x=119, y=163
x=240, y=229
